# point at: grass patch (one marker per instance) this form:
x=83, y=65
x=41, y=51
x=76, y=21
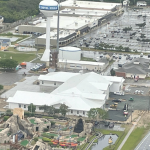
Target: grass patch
x=32, y=121
x=87, y=59
x=147, y=78
x=24, y=142
x=95, y=141
x=135, y=137
x=20, y=57
x=81, y=139
x=51, y=134
x=1, y=130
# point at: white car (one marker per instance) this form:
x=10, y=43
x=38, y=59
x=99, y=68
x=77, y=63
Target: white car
x=119, y=93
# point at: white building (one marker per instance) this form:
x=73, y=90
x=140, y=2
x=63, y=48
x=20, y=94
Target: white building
x=141, y=3
x=69, y=53
x=89, y=65
x=80, y=92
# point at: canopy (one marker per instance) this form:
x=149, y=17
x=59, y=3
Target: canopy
x=23, y=64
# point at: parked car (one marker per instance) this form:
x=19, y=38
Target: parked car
x=107, y=124
x=116, y=100
x=111, y=125
x=119, y=93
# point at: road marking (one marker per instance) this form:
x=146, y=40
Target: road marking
x=142, y=142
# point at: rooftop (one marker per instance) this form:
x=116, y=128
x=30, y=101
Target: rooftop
x=89, y=4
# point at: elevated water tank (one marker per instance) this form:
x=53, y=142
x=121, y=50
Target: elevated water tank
x=70, y=53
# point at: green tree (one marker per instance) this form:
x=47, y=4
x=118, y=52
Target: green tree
x=48, y=109
x=102, y=114
x=127, y=29
x=92, y=114
x=63, y=109
x=8, y=63
x=141, y=25
x=127, y=49
x=112, y=72
x=31, y=108
x=1, y=87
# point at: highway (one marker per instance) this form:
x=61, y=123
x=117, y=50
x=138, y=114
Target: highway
x=144, y=144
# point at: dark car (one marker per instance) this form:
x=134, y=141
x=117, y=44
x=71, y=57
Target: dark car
x=96, y=123
x=116, y=100
x=107, y=124
x=120, y=57
x=111, y=125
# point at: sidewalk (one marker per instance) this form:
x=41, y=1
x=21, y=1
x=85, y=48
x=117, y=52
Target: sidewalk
x=130, y=131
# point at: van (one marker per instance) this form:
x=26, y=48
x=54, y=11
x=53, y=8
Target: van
x=141, y=55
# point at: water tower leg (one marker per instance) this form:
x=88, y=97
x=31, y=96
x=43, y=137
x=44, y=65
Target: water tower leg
x=48, y=34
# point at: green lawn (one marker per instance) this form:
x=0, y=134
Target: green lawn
x=1, y=130
x=24, y=142
x=20, y=57
x=81, y=139
x=51, y=134
x=72, y=136
x=32, y=121
x=135, y=137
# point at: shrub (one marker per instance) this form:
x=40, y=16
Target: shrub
x=28, y=114
x=5, y=118
x=8, y=112
x=46, y=139
x=53, y=123
x=1, y=87
x=35, y=139
x=52, y=136
x=45, y=129
x=46, y=135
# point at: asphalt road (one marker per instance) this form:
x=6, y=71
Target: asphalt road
x=144, y=144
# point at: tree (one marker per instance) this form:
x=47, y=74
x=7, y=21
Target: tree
x=48, y=109
x=140, y=25
x=8, y=63
x=63, y=109
x=102, y=114
x=92, y=114
x=127, y=49
x=127, y=29
x=1, y=87
x=112, y=72
x=31, y=108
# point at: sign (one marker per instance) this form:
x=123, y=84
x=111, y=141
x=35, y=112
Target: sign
x=42, y=7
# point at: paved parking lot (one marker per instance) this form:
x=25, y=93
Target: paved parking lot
x=129, y=19
x=138, y=90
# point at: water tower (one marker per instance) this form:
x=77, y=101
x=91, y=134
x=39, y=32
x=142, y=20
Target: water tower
x=48, y=8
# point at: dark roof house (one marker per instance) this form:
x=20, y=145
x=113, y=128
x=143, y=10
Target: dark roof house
x=138, y=66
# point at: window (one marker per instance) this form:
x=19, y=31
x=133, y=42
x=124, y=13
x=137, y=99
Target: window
x=24, y=106
x=42, y=82
x=72, y=111
x=77, y=112
x=19, y=105
x=83, y=113
x=54, y=83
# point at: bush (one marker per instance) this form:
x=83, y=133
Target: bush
x=53, y=123
x=46, y=139
x=46, y=117
x=35, y=139
x=52, y=136
x=46, y=135
x=29, y=114
x=50, y=143
x=9, y=113
x=45, y=129
x=1, y=87
x=5, y=118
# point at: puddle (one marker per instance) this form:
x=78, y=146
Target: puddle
x=103, y=142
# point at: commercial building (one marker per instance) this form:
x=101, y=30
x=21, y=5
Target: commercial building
x=76, y=19
x=137, y=68
x=80, y=92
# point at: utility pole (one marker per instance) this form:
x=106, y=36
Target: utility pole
x=149, y=102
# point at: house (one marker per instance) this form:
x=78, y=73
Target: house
x=80, y=92
x=136, y=68
x=141, y=3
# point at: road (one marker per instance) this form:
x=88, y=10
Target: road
x=144, y=144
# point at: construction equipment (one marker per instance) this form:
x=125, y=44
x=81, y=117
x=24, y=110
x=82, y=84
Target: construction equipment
x=114, y=105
